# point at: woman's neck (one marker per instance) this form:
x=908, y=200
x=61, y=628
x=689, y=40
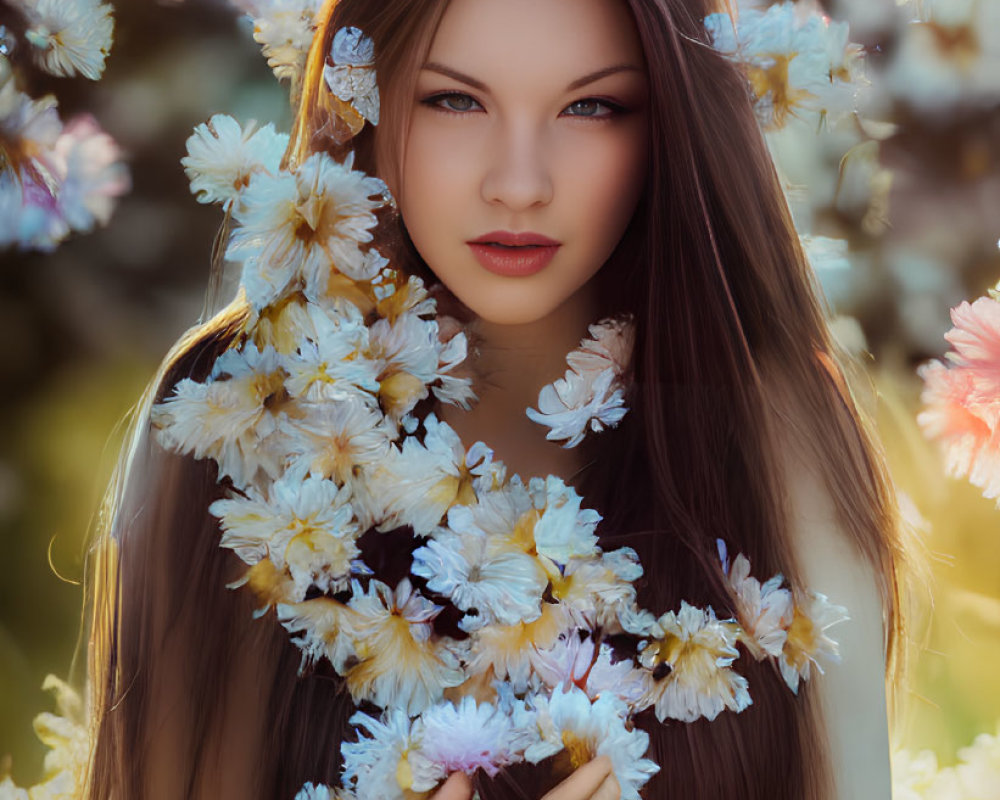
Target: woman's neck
x=512, y=363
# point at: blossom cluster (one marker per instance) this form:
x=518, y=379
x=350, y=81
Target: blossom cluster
x=313, y=416
x=976, y=775
x=66, y=736
x=55, y=177
x=798, y=64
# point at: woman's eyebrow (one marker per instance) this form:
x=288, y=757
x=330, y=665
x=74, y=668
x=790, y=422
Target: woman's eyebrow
x=433, y=66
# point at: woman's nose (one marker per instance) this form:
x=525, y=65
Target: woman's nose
x=517, y=171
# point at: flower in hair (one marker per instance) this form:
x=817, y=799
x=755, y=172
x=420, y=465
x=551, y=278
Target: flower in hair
x=807, y=639
x=690, y=654
x=351, y=77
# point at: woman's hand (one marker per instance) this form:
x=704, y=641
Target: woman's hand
x=593, y=781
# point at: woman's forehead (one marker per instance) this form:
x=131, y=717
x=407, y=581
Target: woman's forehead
x=542, y=40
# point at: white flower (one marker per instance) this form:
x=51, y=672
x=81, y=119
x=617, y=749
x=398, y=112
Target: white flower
x=70, y=37
x=598, y=587
x=285, y=29
x=764, y=612
x=230, y=419
x=470, y=736
x=410, y=353
x=380, y=765
x=336, y=437
x=978, y=770
x=352, y=76
x=296, y=228
x=573, y=402
x=512, y=652
x=807, y=641
x=400, y=665
x=8, y=791
x=695, y=650
x=609, y=347
x=948, y=57
x=418, y=483
x=93, y=173
x=576, y=659
x=222, y=157
x=563, y=530
x=321, y=792
x=320, y=628
x=592, y=392
x=67, y=737
x=330, y=363
x=504, y=587
x=567, y=719
x=305, y=525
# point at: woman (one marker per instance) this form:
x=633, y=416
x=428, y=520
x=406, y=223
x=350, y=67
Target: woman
x=610, y=144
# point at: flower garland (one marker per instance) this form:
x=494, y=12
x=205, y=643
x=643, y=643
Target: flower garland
x=311, y=417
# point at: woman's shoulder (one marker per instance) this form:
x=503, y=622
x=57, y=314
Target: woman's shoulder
x=832, y=564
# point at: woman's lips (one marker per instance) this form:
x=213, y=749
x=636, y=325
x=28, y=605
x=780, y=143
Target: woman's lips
x=514, y=254
x=513, y=261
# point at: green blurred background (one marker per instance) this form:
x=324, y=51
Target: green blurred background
x=83, y=329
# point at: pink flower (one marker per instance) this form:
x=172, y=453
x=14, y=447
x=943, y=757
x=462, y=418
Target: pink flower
x=962, y=398
x=964, y=422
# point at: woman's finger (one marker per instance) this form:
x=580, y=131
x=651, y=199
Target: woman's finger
x=457, y=787
x=585, y=781
x=608, y=790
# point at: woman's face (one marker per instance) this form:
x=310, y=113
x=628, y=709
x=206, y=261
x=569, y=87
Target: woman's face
x=529, y=134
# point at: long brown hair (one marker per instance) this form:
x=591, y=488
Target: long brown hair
x=727, y=321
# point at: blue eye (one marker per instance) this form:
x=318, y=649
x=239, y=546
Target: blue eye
x=452, y=102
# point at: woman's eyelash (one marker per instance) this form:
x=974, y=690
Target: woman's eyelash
x=436, y=100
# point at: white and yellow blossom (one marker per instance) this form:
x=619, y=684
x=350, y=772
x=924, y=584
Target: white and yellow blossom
x=330, y=362
x=807, y=641
x=512, y=652
x=338, y=441
x=597, y=588
x=419, y=482
x=304, y=525
x=236, y=418
x=504, y=587
x=764, y=611
x=284, y=29
x=321, y=628
x=382, y=764
x=295, y=228
x=223, y=155
x=563, y=530
x=690, y=658
x=568, y=720
x=797, y=65
x=401, y=665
